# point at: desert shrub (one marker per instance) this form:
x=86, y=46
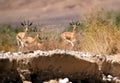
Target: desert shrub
x=117, y=19
x=97, y=33
x=51, y=41
x=101, y=36
x=7, y=38
x=114, y=16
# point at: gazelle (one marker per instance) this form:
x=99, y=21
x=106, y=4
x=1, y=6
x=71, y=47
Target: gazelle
x=70, y=37
x=21, y=36
x=33, y=41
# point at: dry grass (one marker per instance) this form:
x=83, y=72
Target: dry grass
x=102, y=36
x=51, y=41
x=104, y=40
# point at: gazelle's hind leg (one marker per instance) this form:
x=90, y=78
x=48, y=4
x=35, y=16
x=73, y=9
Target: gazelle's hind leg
x=70, y=43
x=23, y=45
x=18, y=44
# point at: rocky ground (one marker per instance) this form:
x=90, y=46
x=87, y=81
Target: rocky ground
x=58, y=66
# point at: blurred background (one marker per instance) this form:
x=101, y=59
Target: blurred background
x=54, y=17
x=50, y=12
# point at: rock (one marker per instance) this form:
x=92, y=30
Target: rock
x=51, y=81
x=42, y=65
x=117, y=81
x=27, y=82
x=109, y=80
x=65, y=80
x=110, y=76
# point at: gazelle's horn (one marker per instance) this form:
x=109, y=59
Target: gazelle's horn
x=28, y=22
x=24, y=22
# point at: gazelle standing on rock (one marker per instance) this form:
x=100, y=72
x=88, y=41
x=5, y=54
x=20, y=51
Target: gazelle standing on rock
x=21, y=36
x=70, y=37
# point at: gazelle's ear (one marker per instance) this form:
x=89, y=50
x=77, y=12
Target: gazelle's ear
x=22, y=24
x=30, y=24
x=70, y=23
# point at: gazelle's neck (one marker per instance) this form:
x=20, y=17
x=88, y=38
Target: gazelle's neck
x=35, y=38
x=26, y=34
x=74, y=30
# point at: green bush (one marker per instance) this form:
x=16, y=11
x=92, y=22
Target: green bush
x=114, y=16
x=8, y=37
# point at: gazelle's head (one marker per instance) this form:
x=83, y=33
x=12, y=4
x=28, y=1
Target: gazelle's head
x=26, y=25
x=38, y=35
x=35, y=29
x=42, y=39
x=74, y=27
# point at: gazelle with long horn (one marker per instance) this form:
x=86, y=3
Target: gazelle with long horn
x=70, y=37
x=21, y=36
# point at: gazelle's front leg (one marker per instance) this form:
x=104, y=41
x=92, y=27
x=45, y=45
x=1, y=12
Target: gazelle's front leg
x=70, y=42
x=23, y=45
x=18, y=44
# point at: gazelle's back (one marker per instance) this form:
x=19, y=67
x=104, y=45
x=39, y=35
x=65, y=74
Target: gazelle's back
x=21, y=35
x=67, y=35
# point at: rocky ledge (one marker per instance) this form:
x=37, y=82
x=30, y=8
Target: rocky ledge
x=42, y=66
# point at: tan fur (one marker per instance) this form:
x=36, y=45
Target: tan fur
x=21, y=36
x=69, y=36
x=30, y=41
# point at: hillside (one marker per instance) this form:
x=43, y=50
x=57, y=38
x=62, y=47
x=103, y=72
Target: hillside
x=49, y=12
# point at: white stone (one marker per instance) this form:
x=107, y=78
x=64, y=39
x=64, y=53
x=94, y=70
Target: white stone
x=109, y=76
x=65, y=80
x=109, y=79
x=27, y=82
